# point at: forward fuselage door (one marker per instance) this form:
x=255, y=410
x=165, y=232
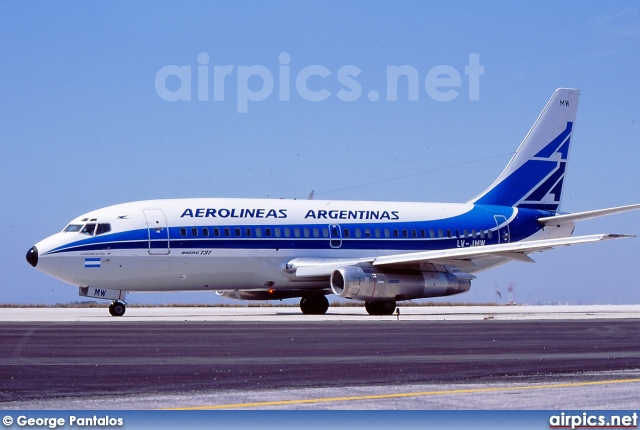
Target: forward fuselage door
x=158, y=232
x=503, y=229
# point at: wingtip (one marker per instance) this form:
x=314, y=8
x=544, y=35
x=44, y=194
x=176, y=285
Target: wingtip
x=617, y=236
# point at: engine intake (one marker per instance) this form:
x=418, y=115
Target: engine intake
x=371, y=284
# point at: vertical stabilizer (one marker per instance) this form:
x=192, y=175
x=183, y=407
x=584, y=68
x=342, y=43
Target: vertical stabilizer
x=535, y=175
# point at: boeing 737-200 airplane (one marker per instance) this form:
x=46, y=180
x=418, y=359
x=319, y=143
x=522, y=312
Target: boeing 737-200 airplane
x=375, y=252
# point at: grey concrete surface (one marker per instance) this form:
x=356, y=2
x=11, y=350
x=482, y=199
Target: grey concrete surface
x=123, y=363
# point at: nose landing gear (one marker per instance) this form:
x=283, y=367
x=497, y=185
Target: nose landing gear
x=117, y=308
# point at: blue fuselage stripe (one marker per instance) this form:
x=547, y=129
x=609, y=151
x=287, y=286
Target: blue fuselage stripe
x=461, y=231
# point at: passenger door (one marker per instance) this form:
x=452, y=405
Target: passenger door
x=503, y=229
x=158, y=232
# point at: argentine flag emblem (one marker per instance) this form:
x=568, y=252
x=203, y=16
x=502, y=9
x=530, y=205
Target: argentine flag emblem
x=92, y=262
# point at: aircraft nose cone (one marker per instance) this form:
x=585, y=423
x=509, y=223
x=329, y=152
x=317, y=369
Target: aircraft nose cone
x=32, y=256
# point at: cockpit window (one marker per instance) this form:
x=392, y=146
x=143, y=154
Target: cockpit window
x=88, y=229
x=103, y=228
x=73, y=228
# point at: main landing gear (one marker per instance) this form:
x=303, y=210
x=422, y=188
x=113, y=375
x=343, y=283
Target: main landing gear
x=314, y=305
x=117, y=308
x=380, y=308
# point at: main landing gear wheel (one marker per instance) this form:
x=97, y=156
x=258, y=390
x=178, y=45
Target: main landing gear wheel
x=380, y=308
x=314, y=305
x=117, y=309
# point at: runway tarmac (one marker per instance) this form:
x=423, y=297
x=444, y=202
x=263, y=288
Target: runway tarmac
x=277, y=313
x=277, y=358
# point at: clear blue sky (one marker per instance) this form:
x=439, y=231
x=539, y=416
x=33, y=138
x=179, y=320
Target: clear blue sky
x=84, y=124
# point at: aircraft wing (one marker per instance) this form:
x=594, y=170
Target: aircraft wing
x=465, y=258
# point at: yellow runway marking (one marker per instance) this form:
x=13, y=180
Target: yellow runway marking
x=401, y=395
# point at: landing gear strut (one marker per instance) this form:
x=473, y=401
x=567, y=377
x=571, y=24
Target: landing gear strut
x=380, y=308
x=314, y=305
x=117, y=308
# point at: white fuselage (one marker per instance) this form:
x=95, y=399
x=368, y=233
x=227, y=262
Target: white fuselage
x=228, y=244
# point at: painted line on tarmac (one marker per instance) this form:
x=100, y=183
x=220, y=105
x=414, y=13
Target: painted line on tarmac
x=401, y=395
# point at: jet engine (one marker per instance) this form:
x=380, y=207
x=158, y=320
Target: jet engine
x=370, y=284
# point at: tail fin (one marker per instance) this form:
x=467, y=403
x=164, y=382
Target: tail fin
x=535, y=175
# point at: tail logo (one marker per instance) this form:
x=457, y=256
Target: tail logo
x=552, y=159
x=537, y=183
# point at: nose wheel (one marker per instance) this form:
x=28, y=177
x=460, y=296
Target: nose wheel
x=117, y=308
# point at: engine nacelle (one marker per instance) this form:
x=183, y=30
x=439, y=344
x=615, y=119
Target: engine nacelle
x=370, y=284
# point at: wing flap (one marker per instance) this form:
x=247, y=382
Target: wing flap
x=321, y=267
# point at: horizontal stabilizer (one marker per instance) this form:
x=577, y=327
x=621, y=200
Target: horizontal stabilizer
x=580, y=216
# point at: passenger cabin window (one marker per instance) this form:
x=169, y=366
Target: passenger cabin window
x=183, y=232
x=205, y=232
x=194, y=232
